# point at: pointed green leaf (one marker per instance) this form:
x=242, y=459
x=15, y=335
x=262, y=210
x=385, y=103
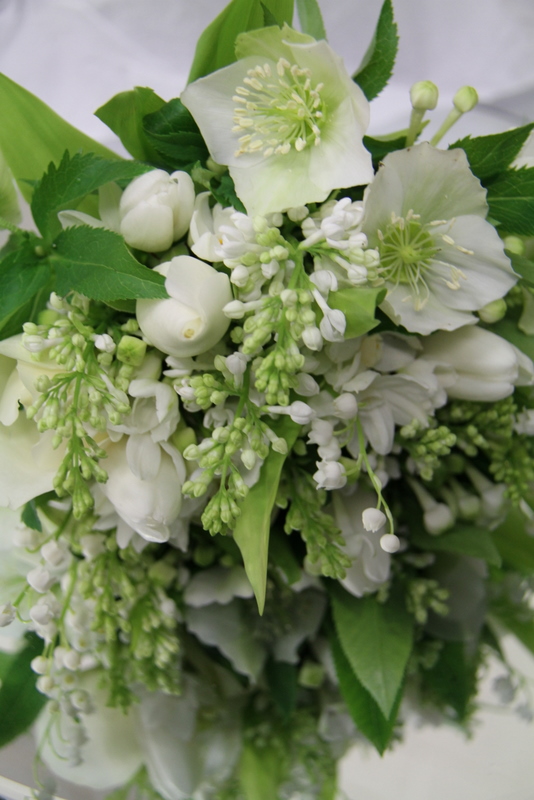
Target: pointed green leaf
x=20, y=702
x=363, y=709
x=32, y=135
x=97, y=263
x=377, y=640
x=66, y=185
x=9, y=204
x=311, y=19
x=466, y=540
x=30, y=517
x=22, y=276
x=124, y=113
x=515, y=545
x=174, y=135
x=452, y=681
x=511, y=201
x=489, y=155
x=377, y=66
x=254, y=523
x=359, y=306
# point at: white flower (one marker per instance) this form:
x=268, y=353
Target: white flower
x=286, y=118
x=192, y=320
x=439, y=259
x=155, y=210
x=205, y=235
x=373, y=519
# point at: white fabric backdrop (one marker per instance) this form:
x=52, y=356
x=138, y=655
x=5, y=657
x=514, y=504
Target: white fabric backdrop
x=75, y=54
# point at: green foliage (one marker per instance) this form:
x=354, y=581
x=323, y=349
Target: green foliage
x=30, y=518
x=124, y=113
x=517, y=618
x=465, y=540
x=523, y=266
x=511, y=201
x=174, y=136
x=311, y=19
x=254, y=523
x=65, y=186
x=380, y=146
x=215, y=47
x=363, y=709
x=377, y=641
x=452, y=681
x=281, y=555
x=359, y=306
x=515, y=545
x=24, y=275
x=223, y=190
x=282, y=681
x=96, y=263
x=489, y=155
x=32, y=135
x=377, y=65
x=259, y=772
x=20, y=702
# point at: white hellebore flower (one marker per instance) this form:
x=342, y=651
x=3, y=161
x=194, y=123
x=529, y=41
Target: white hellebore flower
x=286, y=119
x=192, y=320
x=155, y=210
x=425, y=213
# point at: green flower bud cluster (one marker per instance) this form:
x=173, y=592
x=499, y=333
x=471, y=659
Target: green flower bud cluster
x=426, y=446
x=208, y=390
x=276, y=374
x=424, y=595
x=513, y=465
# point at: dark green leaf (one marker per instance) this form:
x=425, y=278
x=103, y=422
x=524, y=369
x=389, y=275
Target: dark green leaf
x=23, y=275
x=511, y=201
x=380, y=146
x=281, y=555
x=27, y=312
x=224, y=193
x=97, y=263
x=465, y=540
x=514, y=544
x=20, y=702
x=254, y=523
x=174, y=135
x=489, y=155
x=358, y=305
x=377, y=66
x=282, y=681
x=32, y=135
x=30, y=517
x=518, y=619
x=124, y=115
x=377, y=640
x=268, y=16
x=363, y=709
x=452, y=681
x=66, y=185
x=311, y=19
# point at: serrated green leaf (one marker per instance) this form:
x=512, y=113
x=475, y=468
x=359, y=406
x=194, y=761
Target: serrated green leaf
x=466, y=540
x=124, y=113
x=259, y=772
x=224, y=193
x=22, y=276
x=254, y=523
x=311, y=19
x=511, y=201
x=452, y=681
x=363, y=709
x=377, y=66
x=20, y=702
x=97, y=263
x=282, y=682
x=377, y=640
x=359, y=306
x=32, y=135
x=175, y=136
x=515, y=545
x=66, y=185
x=489, y=155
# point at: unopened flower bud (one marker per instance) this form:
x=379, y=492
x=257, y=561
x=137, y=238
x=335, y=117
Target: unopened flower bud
x=346, y=406
x=131, y=350
x=40, y=579
x=7, y=615
x=389, y=543
x=373, y=519
x=424, y=95
x=493, y=312
x=465, y=99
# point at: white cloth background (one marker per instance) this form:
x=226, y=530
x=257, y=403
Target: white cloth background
x=75, y=54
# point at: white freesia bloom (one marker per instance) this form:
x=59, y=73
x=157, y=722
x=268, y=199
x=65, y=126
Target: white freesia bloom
x=286, y=118
x=475, y=364
x=192, y=320
x=440, y=260
x=155, y=209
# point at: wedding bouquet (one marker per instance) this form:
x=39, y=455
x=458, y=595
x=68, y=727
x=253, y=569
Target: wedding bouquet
x=266, y=420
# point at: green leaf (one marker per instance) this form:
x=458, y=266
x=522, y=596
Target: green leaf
x=489, y=155
x=20, y=702
x=465, y=540
x=30, y=517
x=508, y=329
x=380, y=146
x=23, y=275
x=97, y=263
x=452, y=680
x=254, y=523
x=523, y=266
x=224, y=193
x=174, y=135
x=259, y=772
x=377, y=640
x=124, y=113
x=311, y=19
x=377, y=66
x=66, y=185
x=32, y=135
x=514, y=544
x=511, y=201
x=281, y=555
x=363, y=709
x=358, y=305
x=518, y=619
x=282, y=682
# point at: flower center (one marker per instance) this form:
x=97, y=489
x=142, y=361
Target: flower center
x=276, y=113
